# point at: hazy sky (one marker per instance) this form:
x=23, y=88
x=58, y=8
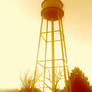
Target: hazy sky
x=19, y=32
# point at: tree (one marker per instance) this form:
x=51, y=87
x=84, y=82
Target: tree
x=27, y=83
x=79, y=83
x=58, y=77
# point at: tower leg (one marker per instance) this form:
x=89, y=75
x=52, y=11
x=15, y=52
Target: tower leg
x=37, y=54
x=62, y=48
x=69, y=84
x=45, y=55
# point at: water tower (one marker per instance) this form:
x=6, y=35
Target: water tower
x=51, y=55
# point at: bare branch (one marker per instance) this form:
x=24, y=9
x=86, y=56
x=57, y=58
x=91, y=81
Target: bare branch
x=58, y=78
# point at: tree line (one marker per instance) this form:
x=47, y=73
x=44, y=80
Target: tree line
x=77, y=82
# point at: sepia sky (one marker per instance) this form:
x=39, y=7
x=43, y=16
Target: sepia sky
x=19, y=33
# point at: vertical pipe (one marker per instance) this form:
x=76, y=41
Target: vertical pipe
x=45, y=55
x=53, y=63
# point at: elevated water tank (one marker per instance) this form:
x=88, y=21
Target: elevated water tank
x=52, y=9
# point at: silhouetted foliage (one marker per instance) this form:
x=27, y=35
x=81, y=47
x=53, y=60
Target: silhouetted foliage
x=78, y=82
x=27, y=84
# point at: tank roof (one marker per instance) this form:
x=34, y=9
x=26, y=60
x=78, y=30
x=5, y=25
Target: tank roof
x=52, y=3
